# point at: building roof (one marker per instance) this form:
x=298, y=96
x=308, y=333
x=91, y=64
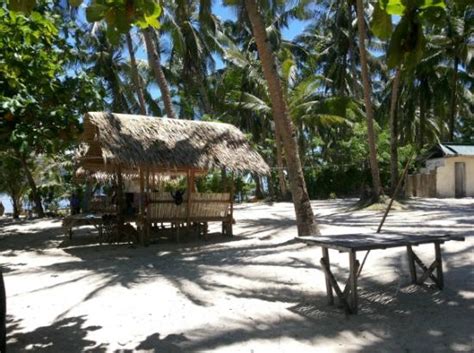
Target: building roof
x=450, y=150
x=161, y=144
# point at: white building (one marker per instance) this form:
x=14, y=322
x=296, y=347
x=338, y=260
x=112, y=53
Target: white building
x=449, y=172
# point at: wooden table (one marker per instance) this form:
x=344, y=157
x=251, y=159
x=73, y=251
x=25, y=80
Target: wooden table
x=89, y=219
x=352, y=243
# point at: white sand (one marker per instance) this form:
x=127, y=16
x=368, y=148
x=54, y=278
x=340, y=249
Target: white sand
x=259, y=292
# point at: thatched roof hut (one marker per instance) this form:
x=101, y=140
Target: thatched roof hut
x=134, y=142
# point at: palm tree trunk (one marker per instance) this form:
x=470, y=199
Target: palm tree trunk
x=304, y=214
x=394, y=131
x=135, y=76
x=34, y=190
x=452, y=113
x=281, y=167
x=3, y=315
x=155, y=63
x=206, y=104
x=351, y=51
x=421, y=138
x=374, y=166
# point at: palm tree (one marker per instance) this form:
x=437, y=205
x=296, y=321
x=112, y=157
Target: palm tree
x=304, y=214
x=153, y=51
x=194, y=33
x=135, y=75
x=374, y=167
x=394, y=130
x=459, y=37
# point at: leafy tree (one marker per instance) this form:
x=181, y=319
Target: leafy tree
x=39, y=102
x=12, y=181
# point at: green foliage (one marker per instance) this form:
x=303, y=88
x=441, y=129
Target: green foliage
x=40, y=117
x=12, y=180
x=407, y=43
x=120, y=15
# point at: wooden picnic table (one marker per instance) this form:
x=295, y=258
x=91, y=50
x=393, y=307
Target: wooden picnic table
x=352, y=243
x=86, y=219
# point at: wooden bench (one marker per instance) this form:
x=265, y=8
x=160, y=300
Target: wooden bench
x=352, y=243
x=200, y=208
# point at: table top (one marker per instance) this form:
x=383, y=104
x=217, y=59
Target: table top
x=370, y=241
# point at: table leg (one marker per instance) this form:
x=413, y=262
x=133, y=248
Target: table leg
x=411, y=264
x=353, y=281
x=329, y=292
x=439, y=265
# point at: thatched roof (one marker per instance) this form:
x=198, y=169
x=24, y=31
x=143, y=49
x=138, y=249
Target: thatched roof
x=136, y=141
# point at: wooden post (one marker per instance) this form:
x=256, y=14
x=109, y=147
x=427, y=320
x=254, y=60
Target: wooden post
x=395, y=192
x=353, y=281
x=231, y=195
x=193, y=185
x=146, y=208
x=329, y=292
x=190, y=180
x=141, y=208
x=411, y=264
x=120, y=205
x=439, y=265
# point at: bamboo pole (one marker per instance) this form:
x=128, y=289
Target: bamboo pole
x=141, y=207
x=395, y=192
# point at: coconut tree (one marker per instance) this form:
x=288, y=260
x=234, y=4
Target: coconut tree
x=137, y=81
x=304, y=214
x=194, y=33
x=152, y=42
x=372, y=139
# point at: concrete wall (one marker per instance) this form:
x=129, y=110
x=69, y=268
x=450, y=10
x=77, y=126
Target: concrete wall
x=445, y=183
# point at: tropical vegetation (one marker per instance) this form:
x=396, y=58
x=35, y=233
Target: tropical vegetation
x=336, y=110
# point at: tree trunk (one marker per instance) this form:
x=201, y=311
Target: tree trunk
x=224, y=181
x=304, y=214
x=421, y=137
x=351, y=51
x=34, y=190
x=394, y=131
x=281, y=167
x=271, y=189
x=258, y=187
x=3, y=315
x=155, y=63
x=374, y=166
x=16, y=206
x=206, y=104
x=135, y=76
x=452, y=113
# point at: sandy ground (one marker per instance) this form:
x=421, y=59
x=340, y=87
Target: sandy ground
x=258, y=292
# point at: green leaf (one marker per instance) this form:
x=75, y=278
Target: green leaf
x=152, y=18
x=432, y=3
x=113, y=35
x=395, y=51
x=22, y=5
x=95, y=12
x=122, y=22
x=381, y=24
x=75, y=3
x=393, y=7
x=414, y=56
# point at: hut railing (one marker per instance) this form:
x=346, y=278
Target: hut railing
x=202, y=207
